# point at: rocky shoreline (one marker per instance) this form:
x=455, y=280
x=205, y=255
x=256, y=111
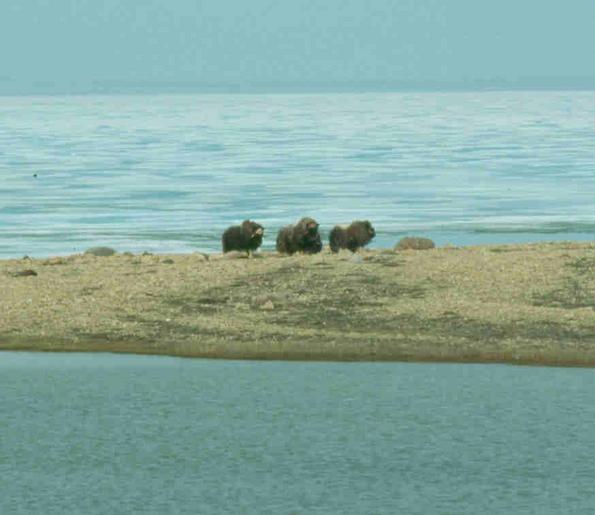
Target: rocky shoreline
x=524, y=304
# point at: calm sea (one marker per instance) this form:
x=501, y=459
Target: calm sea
x=102, y=433
x=169, y=173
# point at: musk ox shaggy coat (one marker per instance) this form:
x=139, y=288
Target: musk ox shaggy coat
x=353, y=237
x=246, y=237
x=301, y=237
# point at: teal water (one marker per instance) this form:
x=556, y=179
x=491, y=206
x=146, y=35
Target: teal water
x=169, y=173
x=101, y=433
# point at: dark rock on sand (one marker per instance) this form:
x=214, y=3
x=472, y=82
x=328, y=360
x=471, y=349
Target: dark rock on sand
x=54, y=261
x=100, y=251
x=235, y=254
x=24, y=273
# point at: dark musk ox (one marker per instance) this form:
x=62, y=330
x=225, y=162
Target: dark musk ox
x=301, y=237
x=246, y=237
x=353, y=237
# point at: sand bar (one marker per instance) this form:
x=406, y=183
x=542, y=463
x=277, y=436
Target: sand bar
x=524, y=304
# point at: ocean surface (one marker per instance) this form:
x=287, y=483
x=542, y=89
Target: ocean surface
x=169, y=173
x=100, y=433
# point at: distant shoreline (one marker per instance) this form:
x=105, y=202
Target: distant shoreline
x=530, y=304
x=10, y=89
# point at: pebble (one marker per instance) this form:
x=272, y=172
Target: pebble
x=268, y=305
x=55, y=261
x=356, y=258
x=414, y=243
x=235, y=254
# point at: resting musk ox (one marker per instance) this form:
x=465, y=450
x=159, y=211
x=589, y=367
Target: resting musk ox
x=301, y=237
x=353, y=237
x=246, y=237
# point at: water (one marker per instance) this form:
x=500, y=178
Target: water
x=169, y=173
x=101, y=433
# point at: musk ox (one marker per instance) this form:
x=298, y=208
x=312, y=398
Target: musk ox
x=246, y=237
x=353, y=237
x=301, y=237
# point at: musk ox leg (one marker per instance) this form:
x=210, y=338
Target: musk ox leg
x=282, y=244
x=337, y=239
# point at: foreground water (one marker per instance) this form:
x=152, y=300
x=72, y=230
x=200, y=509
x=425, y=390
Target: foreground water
x=169, y=173
x=103, y=433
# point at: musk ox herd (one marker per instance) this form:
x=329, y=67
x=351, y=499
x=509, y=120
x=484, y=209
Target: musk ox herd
x=301, y=237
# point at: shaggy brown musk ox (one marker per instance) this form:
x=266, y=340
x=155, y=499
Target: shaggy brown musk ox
x=301, y=237
x=353, y=237
x=246, y=237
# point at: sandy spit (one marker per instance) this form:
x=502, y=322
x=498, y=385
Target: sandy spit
x=523, y=304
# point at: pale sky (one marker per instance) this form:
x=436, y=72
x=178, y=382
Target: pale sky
x=90, y=45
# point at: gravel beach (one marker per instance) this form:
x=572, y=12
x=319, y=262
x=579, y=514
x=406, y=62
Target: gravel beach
x=524, y=304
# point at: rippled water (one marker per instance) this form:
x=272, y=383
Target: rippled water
x=121, y=434
x=169, y=173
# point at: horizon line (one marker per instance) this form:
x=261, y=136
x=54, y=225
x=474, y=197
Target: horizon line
x=10, y=87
